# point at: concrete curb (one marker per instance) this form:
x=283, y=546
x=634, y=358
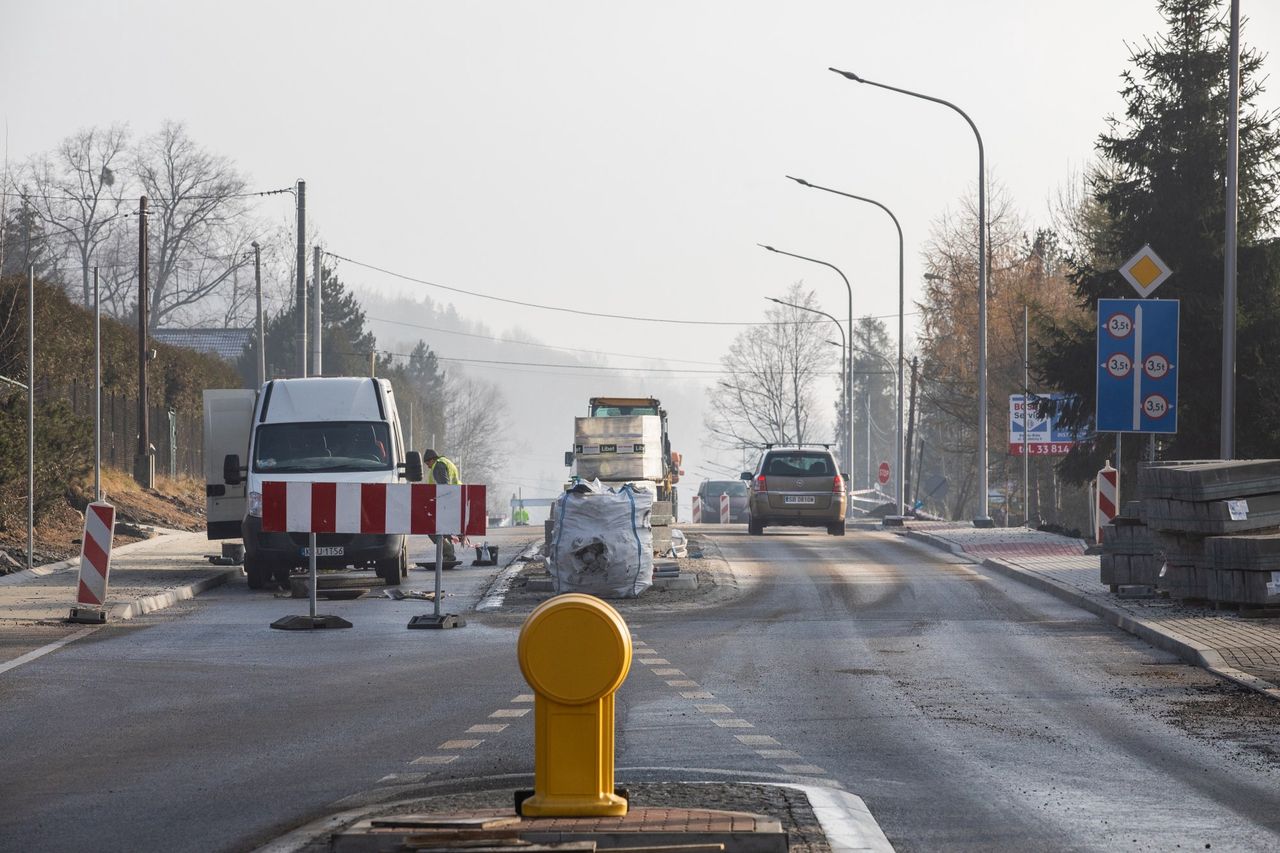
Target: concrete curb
x=161, y=600
x=1162, y=638
x=496, y=594
x=47, y=569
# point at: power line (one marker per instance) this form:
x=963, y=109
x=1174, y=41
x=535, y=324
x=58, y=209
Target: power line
x=121, y=199
x=561, y=308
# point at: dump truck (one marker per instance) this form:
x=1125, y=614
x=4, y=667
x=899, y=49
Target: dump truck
x=625, y=440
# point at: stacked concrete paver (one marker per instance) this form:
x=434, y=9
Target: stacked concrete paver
x=1129, y=551
x=1217, y=526
x=1245, y=650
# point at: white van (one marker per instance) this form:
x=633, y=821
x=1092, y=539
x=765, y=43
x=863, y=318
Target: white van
x=331, y=429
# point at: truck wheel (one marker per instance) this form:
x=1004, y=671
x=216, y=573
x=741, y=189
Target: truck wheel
x=836, y=529
x=255, y=572
x=391, y=571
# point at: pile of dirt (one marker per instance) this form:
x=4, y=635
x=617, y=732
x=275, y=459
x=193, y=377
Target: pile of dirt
x=174, y=503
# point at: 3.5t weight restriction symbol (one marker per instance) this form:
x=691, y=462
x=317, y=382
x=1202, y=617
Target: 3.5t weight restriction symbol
x=1156, y=366
x=1155, y=406
x=1119, y=325
x=1119, y=365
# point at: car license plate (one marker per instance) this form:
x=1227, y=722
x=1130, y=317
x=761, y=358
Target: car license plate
x=798, y=499
x=331, y=551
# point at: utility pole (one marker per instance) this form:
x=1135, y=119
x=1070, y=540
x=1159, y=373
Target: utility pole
x=31, y=417
x=1026, y=415
x=317, y=295
x=97, y=390
x=144, y=463
x=300, y=292
x=262, y=337
x=911, y=430
x=1227, y=440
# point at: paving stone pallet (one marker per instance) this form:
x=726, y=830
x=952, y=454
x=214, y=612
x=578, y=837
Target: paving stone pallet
x=1127, y=536
x=1256, y=553
x=1209, y=480
x=1213, y=517
x=1185, y=582
x=1130, y=569
x=1232, y=586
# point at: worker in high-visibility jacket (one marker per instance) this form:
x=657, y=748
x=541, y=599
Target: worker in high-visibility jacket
x=442, y=472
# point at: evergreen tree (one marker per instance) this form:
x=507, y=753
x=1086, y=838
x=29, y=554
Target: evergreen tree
x=345, y=342
x=1161, y=180
x=25, y=243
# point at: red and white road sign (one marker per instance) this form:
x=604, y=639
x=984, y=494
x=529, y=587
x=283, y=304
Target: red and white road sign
x=697, y=510
x=95, y=554
x=1108, y=497
x=884, y=473
x=416, y=508
x=724, y=509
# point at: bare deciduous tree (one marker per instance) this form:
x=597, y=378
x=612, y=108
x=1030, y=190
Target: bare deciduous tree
x=474, y=414
x=197, y=221
x=78, y=195
x=767, y=393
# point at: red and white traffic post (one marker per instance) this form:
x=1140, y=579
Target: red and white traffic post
x=95, y=564
x=697, y=509
x=381, y=508
x=1108, y=498
x=724, y=508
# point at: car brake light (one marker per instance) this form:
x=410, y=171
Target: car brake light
x=837, y=485
x=760, y=487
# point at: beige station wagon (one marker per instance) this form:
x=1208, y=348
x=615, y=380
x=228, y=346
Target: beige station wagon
x=796, y=486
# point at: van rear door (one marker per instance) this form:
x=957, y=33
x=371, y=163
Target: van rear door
x=228, y=420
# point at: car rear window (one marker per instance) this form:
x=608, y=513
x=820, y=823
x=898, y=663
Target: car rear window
x=715, y=488
x=799, y=465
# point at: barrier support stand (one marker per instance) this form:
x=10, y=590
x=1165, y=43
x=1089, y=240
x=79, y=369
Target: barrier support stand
x=311, y=621
x=438, y=619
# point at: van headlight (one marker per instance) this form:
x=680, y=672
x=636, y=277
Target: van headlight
x=255, y=504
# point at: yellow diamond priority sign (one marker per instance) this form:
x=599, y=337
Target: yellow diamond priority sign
x=1145, y=271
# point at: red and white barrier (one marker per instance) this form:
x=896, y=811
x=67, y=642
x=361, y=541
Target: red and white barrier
x=413, y=508
x=724, y=509
x=1108, y=497
x=697, y=510
x=95, y=554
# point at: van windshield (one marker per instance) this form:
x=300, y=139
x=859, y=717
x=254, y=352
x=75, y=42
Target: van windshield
x=322, y=446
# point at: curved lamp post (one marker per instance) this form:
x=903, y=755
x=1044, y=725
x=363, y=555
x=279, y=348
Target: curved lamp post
x=984, y=519
x=848, y=369
x=898, y=450
x=844, y=347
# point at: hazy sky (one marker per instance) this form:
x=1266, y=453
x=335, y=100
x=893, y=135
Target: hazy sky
x=622, y=157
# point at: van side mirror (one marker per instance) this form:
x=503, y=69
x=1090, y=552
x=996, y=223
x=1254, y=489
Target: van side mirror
x=746, y=475
x=231, y=470
x=412, y=466
x=568, y=459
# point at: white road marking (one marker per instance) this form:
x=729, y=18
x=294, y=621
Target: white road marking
x=655, y=661
x=731, y=723
x=757, y=740
x=462, y=743
x=44, y=650
x=434, y=759
x=523, y=697
x=486, y=728
x=509, y=712
x=667, y=672
x=714, y=709
x=697, y=694
x=682, y=683
x=777, y=753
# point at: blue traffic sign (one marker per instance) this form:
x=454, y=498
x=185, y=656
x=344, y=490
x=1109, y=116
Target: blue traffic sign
x=1137, y=365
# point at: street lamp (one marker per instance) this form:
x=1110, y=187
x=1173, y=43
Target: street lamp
x=898, y=452
x=848, y=369
x=984, y=519
x=843, y=376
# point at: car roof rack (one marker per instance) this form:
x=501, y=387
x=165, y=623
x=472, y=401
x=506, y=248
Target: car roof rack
x=824, y=444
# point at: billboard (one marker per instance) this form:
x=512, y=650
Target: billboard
x=1045, y=435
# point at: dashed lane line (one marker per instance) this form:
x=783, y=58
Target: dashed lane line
x=461, y=743
x=509, y=712
x=486, y=728
x=435, y=759
x=731, y=723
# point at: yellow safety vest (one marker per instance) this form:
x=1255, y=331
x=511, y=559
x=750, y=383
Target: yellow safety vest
x=454, y=478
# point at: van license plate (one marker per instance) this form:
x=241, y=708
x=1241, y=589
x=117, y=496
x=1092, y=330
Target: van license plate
x=798, y=499
x=333, y=551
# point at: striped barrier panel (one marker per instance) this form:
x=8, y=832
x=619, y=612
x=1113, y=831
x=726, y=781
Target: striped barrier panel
x=724, y=509
x=697, y=510
x=95, y=554
x=1108, y=497
x=410, y=508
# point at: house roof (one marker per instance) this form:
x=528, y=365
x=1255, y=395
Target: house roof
x=227, y=344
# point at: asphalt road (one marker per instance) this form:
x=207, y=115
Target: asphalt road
x=968, y=711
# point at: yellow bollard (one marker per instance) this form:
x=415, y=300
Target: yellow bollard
x=574, y=651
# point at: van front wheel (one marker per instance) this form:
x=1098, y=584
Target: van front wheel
x=391, y=571
x=255, y=572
